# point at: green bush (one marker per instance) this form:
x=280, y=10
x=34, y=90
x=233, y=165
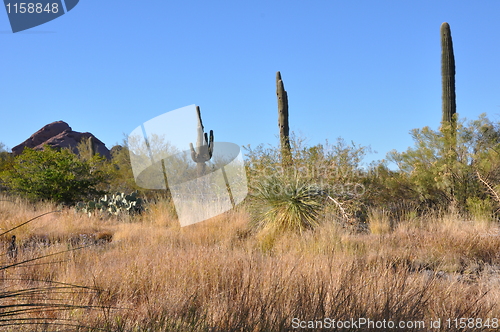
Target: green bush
x=334, y=167
x=441, y=170
x=121, y=176
x=480, y=210
x=293, y=198
x=54, y=175
x=5, y=159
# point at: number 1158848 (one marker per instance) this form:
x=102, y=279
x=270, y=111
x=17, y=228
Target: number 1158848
x=32, y=8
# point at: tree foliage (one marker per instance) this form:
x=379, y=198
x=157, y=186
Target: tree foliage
x=442, y=168
x=54, y=175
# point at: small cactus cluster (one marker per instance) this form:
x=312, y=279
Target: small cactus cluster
x=116, y=204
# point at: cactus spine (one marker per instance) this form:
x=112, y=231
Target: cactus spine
x=204, y=146
x=448, y=75
x=286, y=153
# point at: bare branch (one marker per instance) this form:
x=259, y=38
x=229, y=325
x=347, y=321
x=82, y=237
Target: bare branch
x=490, y=188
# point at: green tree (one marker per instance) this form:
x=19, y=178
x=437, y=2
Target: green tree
x=122, y=179
x=54, y=175
x=3, y=148
x=5, y=161
x=5, y=156
x=440, y=176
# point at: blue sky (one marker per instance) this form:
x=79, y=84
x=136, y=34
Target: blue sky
x=367, y=71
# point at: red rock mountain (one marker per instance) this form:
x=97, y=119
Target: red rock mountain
x=59, y=135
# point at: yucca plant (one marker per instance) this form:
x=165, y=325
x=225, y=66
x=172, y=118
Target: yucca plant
x=287, y=203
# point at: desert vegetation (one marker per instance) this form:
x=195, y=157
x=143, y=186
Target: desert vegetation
x=148, y=274
x=321, y=242
x=311, y=242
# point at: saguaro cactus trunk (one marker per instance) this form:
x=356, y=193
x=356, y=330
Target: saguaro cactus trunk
x=286, y=153
x=92, y=147
x=449, y=109
x=204, y=152
x=448, y=75
x=204, y=147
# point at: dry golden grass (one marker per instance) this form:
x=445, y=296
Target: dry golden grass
x=148, y=274
x=379, y=222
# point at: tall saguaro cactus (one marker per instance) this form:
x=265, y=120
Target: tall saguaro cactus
x=92, y=147
x=286, y=153
x=449, y=109
x=448, y=75
x=204, y=146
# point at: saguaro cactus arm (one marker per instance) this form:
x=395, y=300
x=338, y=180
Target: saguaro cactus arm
x=204, y=152
x=204, y=145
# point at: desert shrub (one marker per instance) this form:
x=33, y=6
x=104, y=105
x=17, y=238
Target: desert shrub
x=121, y=176
x=54, y=175
x=122, y=179
x=480, y=209
x=3, y=148
x=441, y=170
x=5, y=156
x=336, y=167
x=487, y=162
x=6, y=159
x=294, y=197
x=389, y=190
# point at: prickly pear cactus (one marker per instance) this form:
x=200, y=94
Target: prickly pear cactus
x=116, y=204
